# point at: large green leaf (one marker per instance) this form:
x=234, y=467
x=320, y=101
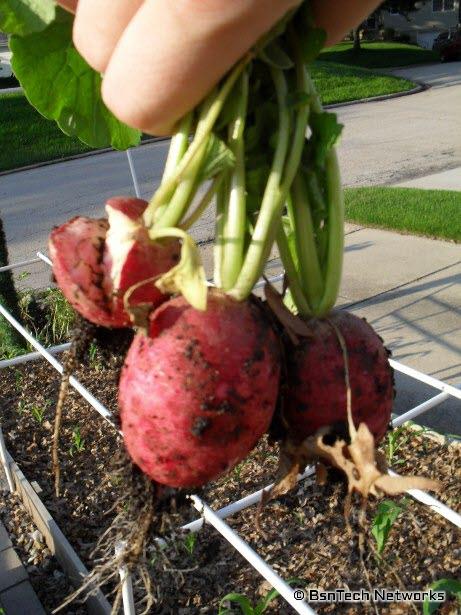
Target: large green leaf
x=26, y=16
x=63, y=87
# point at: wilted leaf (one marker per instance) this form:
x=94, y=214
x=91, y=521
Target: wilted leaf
x=188, y=276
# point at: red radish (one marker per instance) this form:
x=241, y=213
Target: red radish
x=315, y=388
x=76, y=249
x=96, y=262
x=198, y=392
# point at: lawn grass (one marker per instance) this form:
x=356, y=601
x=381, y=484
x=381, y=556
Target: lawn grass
x=45, y=314
x=338, y=83
x=377, y=54
x=27, y=137
x=431, y=213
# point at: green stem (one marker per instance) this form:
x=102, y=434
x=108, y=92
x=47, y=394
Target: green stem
x=178, y=146
x=203, y=204
x=218, y=248
x=235, y=210
x=290, y=271
x=279, y=182
x=204, y=128
x=183, y=194
x=333, y=269
x=319, y=213
x=309, y=266
x=272, y=203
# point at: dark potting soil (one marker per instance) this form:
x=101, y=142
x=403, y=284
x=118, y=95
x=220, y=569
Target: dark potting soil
x=305, y=533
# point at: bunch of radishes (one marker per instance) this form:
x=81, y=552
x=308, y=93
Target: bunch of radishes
x=202, y=379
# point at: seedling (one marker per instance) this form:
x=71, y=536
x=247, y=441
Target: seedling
x=387, y=514
x=396, y=439
x=95, y=362
x=450, y=587
x=18, y=379
x=245, y=606
x=22, y=406
x=238, y=470
x=38, y=412
x=78, y=443
x=189, y=542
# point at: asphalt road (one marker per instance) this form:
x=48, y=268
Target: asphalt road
x=384, y=142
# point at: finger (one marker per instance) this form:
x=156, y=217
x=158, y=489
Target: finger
x=172, y=53
x=70, y=5
x=338, y=22
x=98, y=26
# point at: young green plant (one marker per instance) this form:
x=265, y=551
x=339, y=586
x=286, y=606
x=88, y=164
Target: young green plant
x=386, y=515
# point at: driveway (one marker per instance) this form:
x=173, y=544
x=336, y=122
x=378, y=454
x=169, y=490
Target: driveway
x=437, y=75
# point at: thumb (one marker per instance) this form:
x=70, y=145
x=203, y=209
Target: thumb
x=172, y=53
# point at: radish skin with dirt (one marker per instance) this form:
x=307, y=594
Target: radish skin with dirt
x=199, y=390
x=315, y=391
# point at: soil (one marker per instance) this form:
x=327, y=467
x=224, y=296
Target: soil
x=305, y=533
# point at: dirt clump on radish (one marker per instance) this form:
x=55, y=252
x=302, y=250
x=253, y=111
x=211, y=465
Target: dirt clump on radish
x=198, y=392
x=100, y=264
x=315, y=392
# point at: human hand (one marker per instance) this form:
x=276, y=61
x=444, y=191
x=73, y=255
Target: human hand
x=160, y=57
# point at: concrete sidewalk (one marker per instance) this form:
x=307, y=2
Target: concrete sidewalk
x=446, y=180
x=409, y=289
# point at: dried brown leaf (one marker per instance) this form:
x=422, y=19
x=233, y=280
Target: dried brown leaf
x=294, y=326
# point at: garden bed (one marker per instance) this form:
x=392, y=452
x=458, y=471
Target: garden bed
x=306, y=533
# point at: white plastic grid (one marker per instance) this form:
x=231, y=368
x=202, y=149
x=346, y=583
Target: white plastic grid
x=207, y=514
x=216, y=518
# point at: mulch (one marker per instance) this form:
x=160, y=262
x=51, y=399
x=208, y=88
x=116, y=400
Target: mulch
x=304, y=534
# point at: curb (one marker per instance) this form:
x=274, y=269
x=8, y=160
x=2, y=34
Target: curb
x=96, y=152
x=5, y=91
x=421, y=87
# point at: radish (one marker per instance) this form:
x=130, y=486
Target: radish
x=198, y=392
x=96, y=262
x=76, y=249
x=315, y=391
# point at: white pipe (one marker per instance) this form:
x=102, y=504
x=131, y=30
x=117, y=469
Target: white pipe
x=32, y=356
x=251, y=556
x=423, y=407
x=21, y=264
x=437, y=384
x=235, y=507
x=6, y=463
x=434, y=504
x=103, y=411
x=44, y=258
x=127, y=584
x=133, y=173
